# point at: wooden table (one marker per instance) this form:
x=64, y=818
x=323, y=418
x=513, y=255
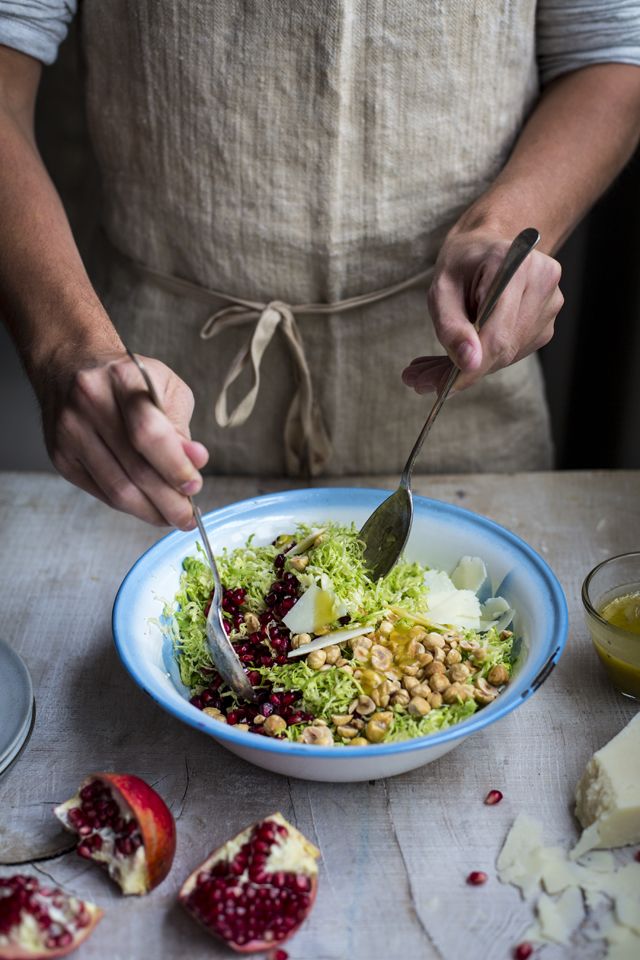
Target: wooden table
x=395, y=852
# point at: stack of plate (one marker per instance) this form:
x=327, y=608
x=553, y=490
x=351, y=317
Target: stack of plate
x=17, y=707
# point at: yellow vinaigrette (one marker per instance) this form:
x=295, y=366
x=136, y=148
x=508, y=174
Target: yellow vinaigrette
x=623, y=612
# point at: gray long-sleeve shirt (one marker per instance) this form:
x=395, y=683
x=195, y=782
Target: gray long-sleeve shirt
x=570, y=33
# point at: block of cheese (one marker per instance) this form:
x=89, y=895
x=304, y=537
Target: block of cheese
x=608, y=794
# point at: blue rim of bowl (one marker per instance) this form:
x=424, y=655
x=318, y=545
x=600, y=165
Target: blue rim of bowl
x=505, y=703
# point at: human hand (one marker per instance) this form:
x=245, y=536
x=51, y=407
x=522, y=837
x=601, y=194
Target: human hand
x=521, y=322
x=105, y=435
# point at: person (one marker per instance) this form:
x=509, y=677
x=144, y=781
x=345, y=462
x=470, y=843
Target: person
x=347, y=174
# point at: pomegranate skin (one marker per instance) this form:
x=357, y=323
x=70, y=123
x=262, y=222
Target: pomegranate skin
x=155, y=833
x=270, y=868
x=81, y=918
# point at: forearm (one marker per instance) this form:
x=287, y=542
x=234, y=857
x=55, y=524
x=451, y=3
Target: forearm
x=582, y=132
x=102, y=431
x=46, y=297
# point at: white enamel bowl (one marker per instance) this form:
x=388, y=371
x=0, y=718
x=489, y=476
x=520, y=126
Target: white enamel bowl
x=441, y=535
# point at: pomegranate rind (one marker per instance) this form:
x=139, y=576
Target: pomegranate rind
x=148, y=867
x=295, y=854
x=32, y=945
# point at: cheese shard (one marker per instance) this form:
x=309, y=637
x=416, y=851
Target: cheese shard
x=521, y=862
x=608, y=794
x=315, y=609
x=557, y=919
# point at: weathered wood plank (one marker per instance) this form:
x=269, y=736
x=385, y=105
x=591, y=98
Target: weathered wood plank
x=395, y=853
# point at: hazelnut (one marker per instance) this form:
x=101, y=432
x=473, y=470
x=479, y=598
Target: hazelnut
x=316, y=659
x=252, y=622
x=418, y=707
x=332, y=654
x=498, y=675
x=459, y=672
x=274, y=725
x=438, y=683
x=320, y=736
x=433, y=668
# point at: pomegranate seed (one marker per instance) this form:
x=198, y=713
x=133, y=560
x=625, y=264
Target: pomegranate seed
x=232, y=718
x=493, y=797
x=638, y=856
x=197, y=702
x=227, y=625
x=523, y=951
x=282, y=659
x=476, y=878
x=277, y=955
x=275, y=699
x=288, y=698
x=279, y=561
x=266, y=709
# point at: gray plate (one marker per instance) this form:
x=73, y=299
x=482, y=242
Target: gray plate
x=16, y=704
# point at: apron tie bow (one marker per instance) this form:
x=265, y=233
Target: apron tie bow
x=307, y=445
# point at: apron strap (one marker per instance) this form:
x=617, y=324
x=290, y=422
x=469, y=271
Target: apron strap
x=307, y=445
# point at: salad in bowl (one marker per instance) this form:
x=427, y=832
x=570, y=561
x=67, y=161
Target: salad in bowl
x=335, y=658
x=300, y=649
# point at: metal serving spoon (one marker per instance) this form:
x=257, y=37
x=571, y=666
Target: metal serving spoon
x=224, y=656
x=386, y=532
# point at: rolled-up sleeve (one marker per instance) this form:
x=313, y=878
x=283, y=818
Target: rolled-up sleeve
x=576, y=33
x=36, y=27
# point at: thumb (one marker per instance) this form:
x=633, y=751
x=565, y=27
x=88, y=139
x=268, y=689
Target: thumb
x=452, y=323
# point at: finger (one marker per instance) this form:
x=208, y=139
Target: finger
x=425, y=374
x=524, y=317
x=152, y=433
x=94, y=396
x=452, y=323
x=73, y=471
x=197, y=453
x=80, y=444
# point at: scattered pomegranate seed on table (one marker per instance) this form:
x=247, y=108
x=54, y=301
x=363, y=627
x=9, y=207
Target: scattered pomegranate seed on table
x=476, y=878
x=523, y=951
x=493, y=797
x=638, y=856
x=277, y=955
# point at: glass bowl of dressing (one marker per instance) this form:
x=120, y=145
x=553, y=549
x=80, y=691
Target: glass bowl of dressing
x=611, y=598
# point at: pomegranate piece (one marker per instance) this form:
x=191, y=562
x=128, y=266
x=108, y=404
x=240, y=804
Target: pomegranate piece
x=477, y=878
x=123, y=824
x=256, y=890
x=493, y=797
x=40, y=921
x=523, y=951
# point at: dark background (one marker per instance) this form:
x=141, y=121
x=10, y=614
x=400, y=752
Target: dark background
x=590, y=365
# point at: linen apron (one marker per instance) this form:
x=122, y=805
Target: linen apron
x=288, y=153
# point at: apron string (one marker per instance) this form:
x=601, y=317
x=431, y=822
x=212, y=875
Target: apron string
x=307, y=446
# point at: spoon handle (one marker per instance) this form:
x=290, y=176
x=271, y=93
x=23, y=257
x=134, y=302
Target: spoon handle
x=222, y=650
x=519, y=250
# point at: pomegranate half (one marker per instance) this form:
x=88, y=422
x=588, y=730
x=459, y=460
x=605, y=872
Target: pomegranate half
x=124, y=825
x=40, y=921
x=256, y=890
